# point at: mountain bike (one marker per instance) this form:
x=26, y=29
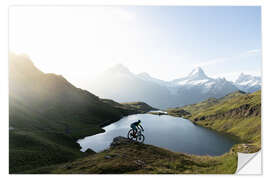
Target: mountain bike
x=139, y=137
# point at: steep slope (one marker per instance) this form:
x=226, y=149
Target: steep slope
x=48, y=96
x=145, y=76
x=129, y=157
x=139, y=105
x=237, y=114
x=47, y=115
x=248, y=83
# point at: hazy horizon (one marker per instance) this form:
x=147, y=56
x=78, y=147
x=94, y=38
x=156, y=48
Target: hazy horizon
x=165, y=42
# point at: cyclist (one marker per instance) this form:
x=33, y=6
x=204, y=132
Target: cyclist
x=135, y=127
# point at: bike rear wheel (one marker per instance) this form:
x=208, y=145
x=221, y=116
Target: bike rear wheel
x=130, y=135
x=140, y=138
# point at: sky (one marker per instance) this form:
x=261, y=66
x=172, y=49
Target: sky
x=166, y=42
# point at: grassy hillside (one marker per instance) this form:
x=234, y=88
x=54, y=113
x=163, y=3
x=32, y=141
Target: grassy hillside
x=47, y=115
x=139, y=105
x=130, y=157
x=237, y=114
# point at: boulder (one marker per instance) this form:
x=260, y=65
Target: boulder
x=120, y=140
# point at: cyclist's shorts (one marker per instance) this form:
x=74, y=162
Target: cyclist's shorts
x=133, y=126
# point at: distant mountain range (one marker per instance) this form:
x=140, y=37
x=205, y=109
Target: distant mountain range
x=120, y=84
x=248, y=83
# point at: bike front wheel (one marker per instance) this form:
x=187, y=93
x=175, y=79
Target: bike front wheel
x=140, y=138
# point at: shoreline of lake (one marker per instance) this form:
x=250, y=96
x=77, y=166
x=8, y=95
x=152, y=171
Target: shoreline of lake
x=229, y=142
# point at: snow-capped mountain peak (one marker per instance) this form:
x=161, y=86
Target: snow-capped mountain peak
x=197, y=74
x=195, y=77
x=245, y=77
x=248, y=83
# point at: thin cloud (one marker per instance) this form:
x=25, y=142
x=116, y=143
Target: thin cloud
x=212, y=62
x=219, y=60
x=253, y=52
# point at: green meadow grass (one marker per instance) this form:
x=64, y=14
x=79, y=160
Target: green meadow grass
x=154, y=160
x=227, y=115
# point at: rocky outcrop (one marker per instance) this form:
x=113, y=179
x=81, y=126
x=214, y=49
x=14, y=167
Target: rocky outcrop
x=179, y=113
x=120, y=140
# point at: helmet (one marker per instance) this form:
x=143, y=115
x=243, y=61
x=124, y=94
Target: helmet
x=139, y=121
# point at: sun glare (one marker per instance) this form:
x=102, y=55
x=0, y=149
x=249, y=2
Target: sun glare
x=78, y=43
